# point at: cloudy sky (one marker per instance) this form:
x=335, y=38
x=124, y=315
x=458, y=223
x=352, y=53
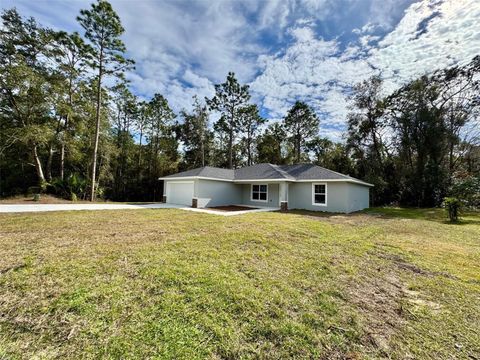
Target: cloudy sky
x=312, y=50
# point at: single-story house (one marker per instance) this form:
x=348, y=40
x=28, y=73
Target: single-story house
x=301, y=186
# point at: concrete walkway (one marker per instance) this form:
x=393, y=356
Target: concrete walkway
x=231, y=213
x=20, y=208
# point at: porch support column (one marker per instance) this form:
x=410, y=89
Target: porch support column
x=283, y=195
x=164, y=197
x=195, y=194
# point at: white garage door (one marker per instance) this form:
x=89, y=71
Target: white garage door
x=180, y=192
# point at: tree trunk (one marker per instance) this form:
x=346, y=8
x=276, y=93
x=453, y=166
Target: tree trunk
x=376, y=145
x=249, y=152
x=230, y=148
x=49, y=162
x=139, y=159
x=65, y=129
x=202, y=149
x=298, y=148
x=38, y=166
x=97, y=129
x=62, y=160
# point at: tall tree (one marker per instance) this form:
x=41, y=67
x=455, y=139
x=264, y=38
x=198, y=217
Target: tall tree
x=27, y=84
x=331, y=155
x=220, y=150
x=230, y=98
x=249, y=124
x=320, y=147
x=365, y=121
x=270, y=145
x=72, y=57
x=195, y=135
x=301, y=123
x=420, y=137
x=459, y=102
x=125, y=114
x=141, y=122
x=366, y=125
x=103, y=29
x=160, y=133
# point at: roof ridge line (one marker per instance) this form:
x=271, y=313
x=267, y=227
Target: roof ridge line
x=284, y=174
x=336, y=172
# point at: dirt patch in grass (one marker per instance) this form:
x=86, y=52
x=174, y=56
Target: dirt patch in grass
x=386, y=303
x=402, y=264
x=232, y=208
x=13, y=268
x=358, y=218
x=379, y=300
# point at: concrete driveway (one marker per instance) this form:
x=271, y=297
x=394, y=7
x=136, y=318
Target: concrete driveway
x=20, y=208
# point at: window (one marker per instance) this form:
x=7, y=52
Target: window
x=259, y=193
x=319, y=194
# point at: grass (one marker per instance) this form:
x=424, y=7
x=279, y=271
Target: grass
x=171, y=284
x=44, y=199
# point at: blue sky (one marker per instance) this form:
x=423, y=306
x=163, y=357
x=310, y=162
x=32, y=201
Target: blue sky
x=285, y=49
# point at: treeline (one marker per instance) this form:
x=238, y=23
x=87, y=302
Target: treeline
x=70, y=125
x=422, y=142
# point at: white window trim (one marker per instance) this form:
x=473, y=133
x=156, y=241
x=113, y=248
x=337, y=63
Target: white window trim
x=251, y=193
x=313, y=194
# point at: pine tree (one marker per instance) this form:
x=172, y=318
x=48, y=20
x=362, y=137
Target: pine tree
x=230, y=98
x=103, y=29
x=301, y=124
x=249, y=125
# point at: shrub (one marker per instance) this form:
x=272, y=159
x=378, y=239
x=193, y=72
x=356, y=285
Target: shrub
x=453, y=205
x=71, y=188
x=466, y=187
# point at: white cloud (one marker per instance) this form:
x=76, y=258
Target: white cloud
x=275, y=13
x=431, y=35
x=171, y=40
x=451, y=37
x=313, y=70
x=286, y=49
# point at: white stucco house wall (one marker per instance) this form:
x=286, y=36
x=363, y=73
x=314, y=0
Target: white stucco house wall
x=302, y=186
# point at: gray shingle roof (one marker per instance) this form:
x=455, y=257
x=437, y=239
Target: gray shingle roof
x=268, y=171
x=261, y=171
x=313, y=172
x=207, y=171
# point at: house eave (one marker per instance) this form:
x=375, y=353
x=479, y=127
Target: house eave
x=248, y=181
x=354, y=181
x=192, y=178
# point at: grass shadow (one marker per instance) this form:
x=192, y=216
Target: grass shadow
x=430, y=214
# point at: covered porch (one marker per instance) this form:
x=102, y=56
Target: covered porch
x=258, y=194
x=206, y=193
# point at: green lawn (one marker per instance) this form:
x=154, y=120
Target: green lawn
x=173, y=284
